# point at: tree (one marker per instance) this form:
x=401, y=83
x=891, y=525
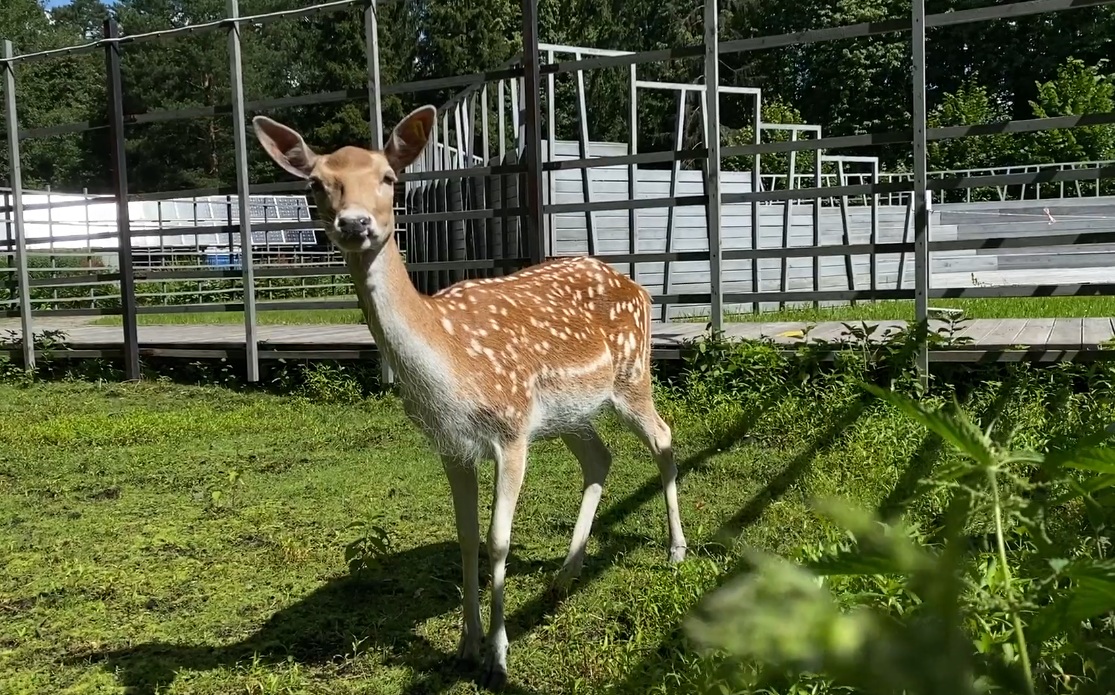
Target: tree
x=970, y=105
x=1077, y=89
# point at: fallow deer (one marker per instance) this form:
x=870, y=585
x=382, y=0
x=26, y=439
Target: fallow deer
x=486, y=366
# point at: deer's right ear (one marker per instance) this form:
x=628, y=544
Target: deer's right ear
x=285, y=146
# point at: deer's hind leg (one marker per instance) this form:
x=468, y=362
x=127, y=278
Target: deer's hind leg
x=635, y=407
x=596, y=461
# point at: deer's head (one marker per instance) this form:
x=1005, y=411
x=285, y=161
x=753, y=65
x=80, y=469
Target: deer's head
x=354, y=188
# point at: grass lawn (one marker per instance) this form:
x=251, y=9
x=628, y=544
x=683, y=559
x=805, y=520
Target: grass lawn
x=176, y=539
x=1023, y=307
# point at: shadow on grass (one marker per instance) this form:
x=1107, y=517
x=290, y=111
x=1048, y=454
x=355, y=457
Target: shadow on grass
x=795, y=469
x=379, y=611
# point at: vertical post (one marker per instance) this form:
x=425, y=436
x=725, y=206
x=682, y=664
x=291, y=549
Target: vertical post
x=22, y=276
x=874, y=230
x=551, y=155
x=120, y=185
x=532, y=135
x=375, y=105
x=375, y=123
x=633, y=170
x=921, y=189
x=818, y=161
x=787, y=221
x=712, y=117
x=243, y=195
x=756, y=186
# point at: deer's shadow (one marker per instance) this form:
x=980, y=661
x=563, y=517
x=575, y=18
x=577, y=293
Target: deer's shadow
x=377, y=609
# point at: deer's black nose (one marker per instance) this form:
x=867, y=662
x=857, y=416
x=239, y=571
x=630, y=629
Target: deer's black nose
x=354, y=225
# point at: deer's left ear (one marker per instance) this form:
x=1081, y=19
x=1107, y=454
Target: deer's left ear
x=285, y=145
x=409, y=137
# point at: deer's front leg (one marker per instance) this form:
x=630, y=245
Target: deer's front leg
x=510, y=468
x=462, y=483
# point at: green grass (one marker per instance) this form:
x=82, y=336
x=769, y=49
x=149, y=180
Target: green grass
x=165, y=538
x=1023, y=307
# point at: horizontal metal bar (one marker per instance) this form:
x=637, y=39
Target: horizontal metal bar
x=256, y=189
x=838, y=142
x=89, y=311
x=436, y=83
x=620, y=61
x=1051, y=239
x=477, y=264
x=192, y=29
x=455, y=215
x=692, y=87
x=1077, y=290
x=813, y=193
x=64, y=129
x=627, y=159
x=260, y=105
x=1029, y=125
x=953, y=183
x=810, y=296
x=443, y=174
x=849, y=158
x=66, y=281
x=92, y=200
x=562, y=48
x=817, y=251
x=659, y=257
x=640, y=204
x=353, y=353
x=1008, y=11
x=791, y=127
x=680, y=299
x=321, y=305
x=801, y=38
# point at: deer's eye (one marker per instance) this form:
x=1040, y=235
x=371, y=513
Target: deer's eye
x=389, y=178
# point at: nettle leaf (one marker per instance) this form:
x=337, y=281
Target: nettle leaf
x=1099, y=460
x=1092, y=594
x=956, y=427
x=880, y=547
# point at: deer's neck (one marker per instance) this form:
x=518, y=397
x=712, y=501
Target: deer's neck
x=399, y=317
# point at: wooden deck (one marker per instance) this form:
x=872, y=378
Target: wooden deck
x=991, y=339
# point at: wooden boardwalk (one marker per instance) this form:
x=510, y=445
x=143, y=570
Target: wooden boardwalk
x=991, y=339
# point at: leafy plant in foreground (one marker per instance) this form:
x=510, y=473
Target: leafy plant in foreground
x=969, y=620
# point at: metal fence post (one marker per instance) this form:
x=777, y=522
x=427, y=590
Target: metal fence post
x=375, y=124
x=375, y=104
x=243, y=194
x=23, y=277
x=532, y=135
x=712, y=205
x=920, y=192
x=116, y=138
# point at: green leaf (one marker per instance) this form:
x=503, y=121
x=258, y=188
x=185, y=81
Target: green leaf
x=1091, y=594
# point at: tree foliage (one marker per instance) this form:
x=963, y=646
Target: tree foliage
x=1047, y=65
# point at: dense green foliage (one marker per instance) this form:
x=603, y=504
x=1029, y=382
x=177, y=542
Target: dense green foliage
x=978, y=73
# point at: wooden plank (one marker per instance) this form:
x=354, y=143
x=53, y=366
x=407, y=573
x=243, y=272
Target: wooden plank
x=1096, y=331
x=1066, y=334
x=979, y=329
x=1035, y=333
x=1004, y=335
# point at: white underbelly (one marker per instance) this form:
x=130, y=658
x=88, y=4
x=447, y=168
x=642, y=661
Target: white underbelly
x=555, y=413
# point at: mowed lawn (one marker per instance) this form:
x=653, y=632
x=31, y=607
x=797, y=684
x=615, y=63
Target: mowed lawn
x=175, y=539
x=998, y=308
